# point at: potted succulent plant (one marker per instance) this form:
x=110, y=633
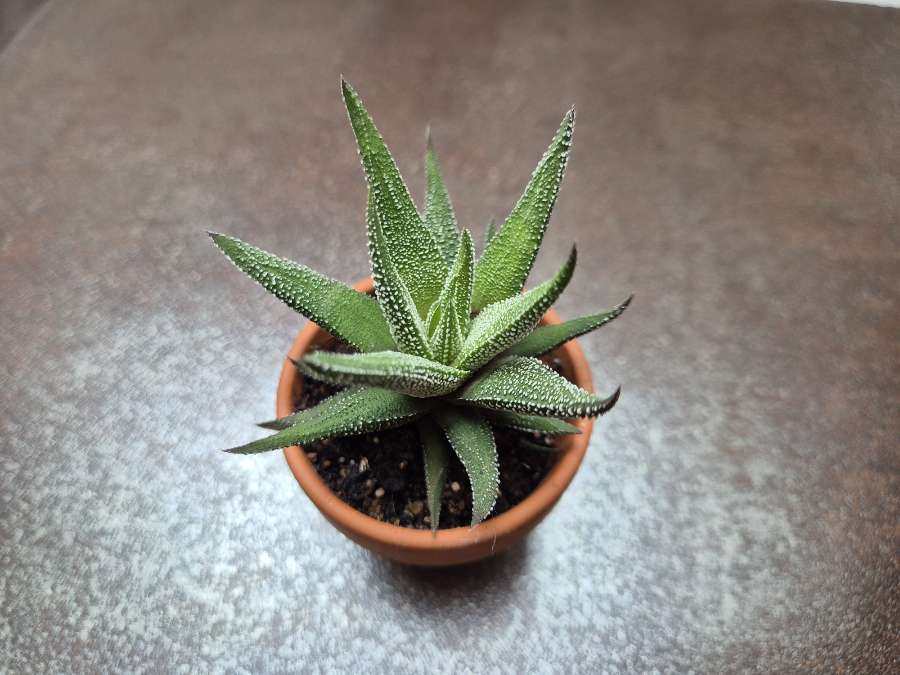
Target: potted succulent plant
x=446, y=351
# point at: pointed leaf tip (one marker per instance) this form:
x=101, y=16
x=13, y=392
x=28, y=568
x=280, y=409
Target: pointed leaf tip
x=436, y=456
x=472, y=441
x=350, y=412
x=508, y=258
x=344, y=312
x=398, y=238
x=526, y=385
x=609, y=402
x=544, y=339
x=439, y=218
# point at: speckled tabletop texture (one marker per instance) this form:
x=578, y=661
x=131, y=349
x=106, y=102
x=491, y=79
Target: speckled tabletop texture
x=735, y=165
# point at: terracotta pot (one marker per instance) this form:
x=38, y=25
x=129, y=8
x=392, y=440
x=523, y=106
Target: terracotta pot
x=450, y=546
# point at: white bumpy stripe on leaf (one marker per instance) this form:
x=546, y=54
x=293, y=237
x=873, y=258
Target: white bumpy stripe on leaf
x=473, y=442
x=354, y=317
x=545, y=339
x=506, y=322
x=439, y=215
x=405, y=373
x=353, y=411
x=408, y=243
x=524, y=384
x=507, y=260
x=437, y=462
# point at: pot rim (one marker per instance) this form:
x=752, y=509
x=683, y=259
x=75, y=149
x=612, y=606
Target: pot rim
x=387, y=537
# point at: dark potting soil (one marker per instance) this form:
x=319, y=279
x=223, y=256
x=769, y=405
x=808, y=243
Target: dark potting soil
x=381, y=474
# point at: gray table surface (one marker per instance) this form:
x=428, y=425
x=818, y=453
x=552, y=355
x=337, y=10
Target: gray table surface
x=735, y=165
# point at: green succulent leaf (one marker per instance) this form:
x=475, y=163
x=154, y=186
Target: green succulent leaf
x=545, y=339
x=405, y=373
x=349, y=315
x=507, y=260
x=407, y=243
x=396, y=302
x=448, y=338
x=437, y=463
x=458, y=288
x=448, y=319
x=471, y=438
x=439, y=216
x=530, y=423
x=490, y=232
x=506, y=322
x=353, y=411
x=524, y=384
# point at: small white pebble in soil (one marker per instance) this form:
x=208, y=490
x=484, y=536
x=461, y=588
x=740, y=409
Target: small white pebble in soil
x=326, y=463
x=342, y=459
x=456, y=487
x=379, y=493
x=363, y=464
x=416, y=507
x=375, y=440
x=311, y=456
x=370, y=483
x=344, y=472
x=427, y=520
x=403, y=465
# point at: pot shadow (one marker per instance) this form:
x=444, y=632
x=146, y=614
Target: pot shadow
x=431, y=588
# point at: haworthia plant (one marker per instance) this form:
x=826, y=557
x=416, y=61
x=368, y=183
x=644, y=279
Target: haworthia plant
x=449, y=342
